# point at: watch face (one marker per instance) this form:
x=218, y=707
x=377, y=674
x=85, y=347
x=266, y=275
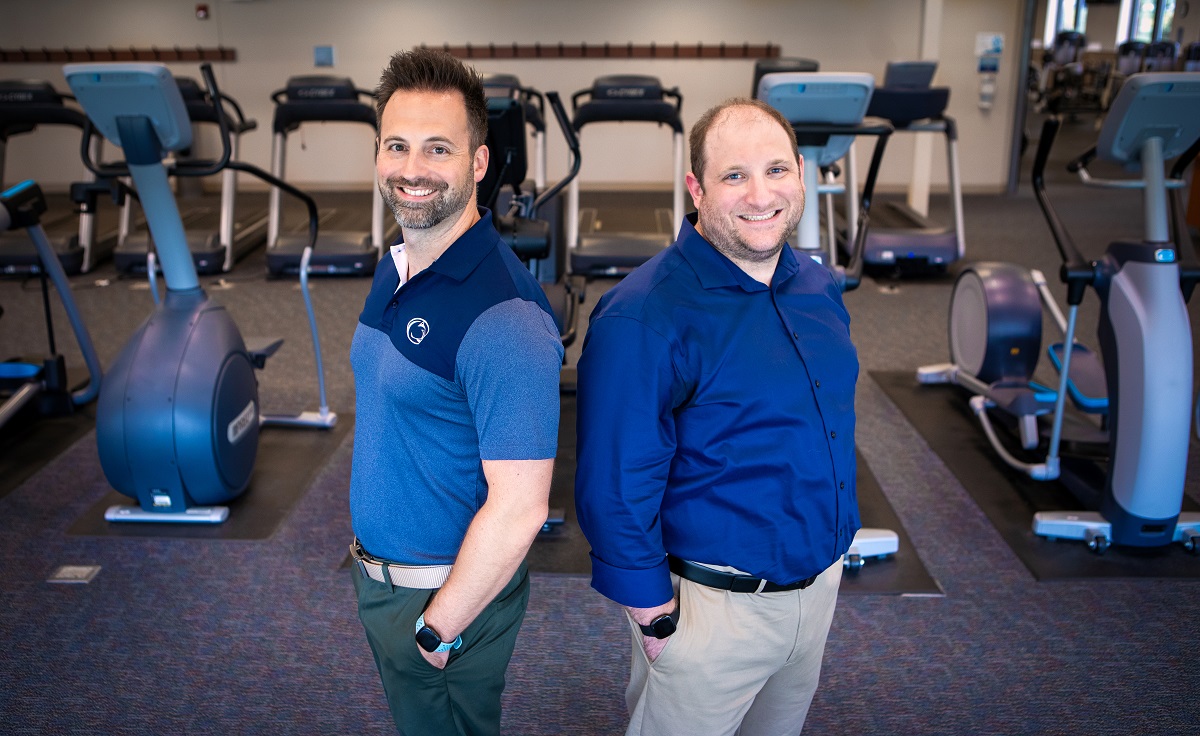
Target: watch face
x=428, y=640
x=663, y=626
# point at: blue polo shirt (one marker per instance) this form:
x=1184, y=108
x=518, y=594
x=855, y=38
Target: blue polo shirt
x=716, y=422
x=457, y=365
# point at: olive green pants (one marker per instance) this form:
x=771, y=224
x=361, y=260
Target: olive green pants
x=462, y=699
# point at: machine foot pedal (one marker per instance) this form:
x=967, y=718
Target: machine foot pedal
x=937, y=373
x=553, y=520
x=1083, y=526
x=261, y=348
x=320, y=420
x=194, y=515
x=1187, y=532
x=871, y=543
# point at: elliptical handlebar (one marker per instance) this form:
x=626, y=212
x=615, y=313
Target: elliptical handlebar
x=202, y=167
x=1075, y=272
x=853, y=274
x=568, y=131
x=1082, y=162
x=1189, y=267
x=191, y=168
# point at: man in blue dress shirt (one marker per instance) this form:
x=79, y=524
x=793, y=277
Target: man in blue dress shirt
x=456, y=362
x=716, y=446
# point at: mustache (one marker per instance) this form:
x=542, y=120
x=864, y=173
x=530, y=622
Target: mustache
x=400, y=181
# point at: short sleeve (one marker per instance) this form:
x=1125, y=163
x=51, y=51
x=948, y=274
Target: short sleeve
x=508, y=365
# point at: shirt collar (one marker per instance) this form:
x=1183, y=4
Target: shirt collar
x=716, y=271
x=464, y=254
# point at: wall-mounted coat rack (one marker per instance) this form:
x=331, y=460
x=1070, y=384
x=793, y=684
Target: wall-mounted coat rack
x=110, y=53
x=614, y=51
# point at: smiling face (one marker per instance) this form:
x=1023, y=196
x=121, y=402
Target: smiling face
x=426, y=167
x=752, y=195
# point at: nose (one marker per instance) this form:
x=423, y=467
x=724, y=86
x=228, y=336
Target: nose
x=409, y=166
x=758, y=192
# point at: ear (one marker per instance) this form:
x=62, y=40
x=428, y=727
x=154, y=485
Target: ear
x=694, y=188
x=481, y=163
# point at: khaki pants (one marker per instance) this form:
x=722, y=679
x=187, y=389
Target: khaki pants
x=740, y=663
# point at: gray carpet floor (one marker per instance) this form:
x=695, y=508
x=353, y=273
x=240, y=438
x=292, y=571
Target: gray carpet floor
x=250, y=637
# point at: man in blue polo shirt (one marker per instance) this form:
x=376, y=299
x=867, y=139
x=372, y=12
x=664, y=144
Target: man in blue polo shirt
x=456, y=361
x=716, y=446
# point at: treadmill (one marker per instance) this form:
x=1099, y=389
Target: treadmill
x=216, y=237
x=613, y=99
x=24, y=106
x=339, y=251
x=901, y=239
x=838, y=101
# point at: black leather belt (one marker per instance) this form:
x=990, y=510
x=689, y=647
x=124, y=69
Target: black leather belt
x=728, y=581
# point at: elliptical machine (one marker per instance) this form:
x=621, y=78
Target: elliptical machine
x=178, y=417
x=1141, y=388
x=21, y=383
x=532, y=239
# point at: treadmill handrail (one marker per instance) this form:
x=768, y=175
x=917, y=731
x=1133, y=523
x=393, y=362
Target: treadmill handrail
x=850, y=278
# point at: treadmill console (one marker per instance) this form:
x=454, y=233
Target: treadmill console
x=627, y=87
x=319, y=87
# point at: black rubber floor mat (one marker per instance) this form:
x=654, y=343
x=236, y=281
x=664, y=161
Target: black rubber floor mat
x=288, y=460
x=1010, y=499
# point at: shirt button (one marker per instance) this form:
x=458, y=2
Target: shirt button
x=842, y=485
x=796, y=335
x=817, y=384
x=833, y=435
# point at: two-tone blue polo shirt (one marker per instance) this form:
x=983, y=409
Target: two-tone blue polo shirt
x=457, y=365
x=716, y=422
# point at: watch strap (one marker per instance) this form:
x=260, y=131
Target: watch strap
x=655, y=629
x=445, y=646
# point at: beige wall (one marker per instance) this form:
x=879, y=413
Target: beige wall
x=274, y=39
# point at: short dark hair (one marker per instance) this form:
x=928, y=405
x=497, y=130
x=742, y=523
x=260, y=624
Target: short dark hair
x=432, y=70
x=700, y=130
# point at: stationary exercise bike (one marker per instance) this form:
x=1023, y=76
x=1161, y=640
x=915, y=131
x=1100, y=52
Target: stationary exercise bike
x=1141, y=384
x=178, y=418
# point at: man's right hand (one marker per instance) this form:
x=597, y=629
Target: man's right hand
x=654, y=646
x=644, y=616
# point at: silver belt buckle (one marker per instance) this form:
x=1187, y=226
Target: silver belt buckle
x=358, y=554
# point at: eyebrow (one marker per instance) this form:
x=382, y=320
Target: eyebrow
x=770, y=165
x=432, y=139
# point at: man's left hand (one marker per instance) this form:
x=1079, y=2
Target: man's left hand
x=438, y=659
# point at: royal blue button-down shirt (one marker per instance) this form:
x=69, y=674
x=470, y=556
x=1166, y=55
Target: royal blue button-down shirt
x=716, y=422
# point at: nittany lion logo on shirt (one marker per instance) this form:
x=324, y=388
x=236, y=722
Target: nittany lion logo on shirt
x=418, y=330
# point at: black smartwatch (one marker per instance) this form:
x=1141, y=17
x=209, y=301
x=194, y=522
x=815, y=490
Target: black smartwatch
x=662, y=626
x=431, y=641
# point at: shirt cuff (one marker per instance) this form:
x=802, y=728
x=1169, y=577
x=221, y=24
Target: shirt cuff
x=634, y=588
